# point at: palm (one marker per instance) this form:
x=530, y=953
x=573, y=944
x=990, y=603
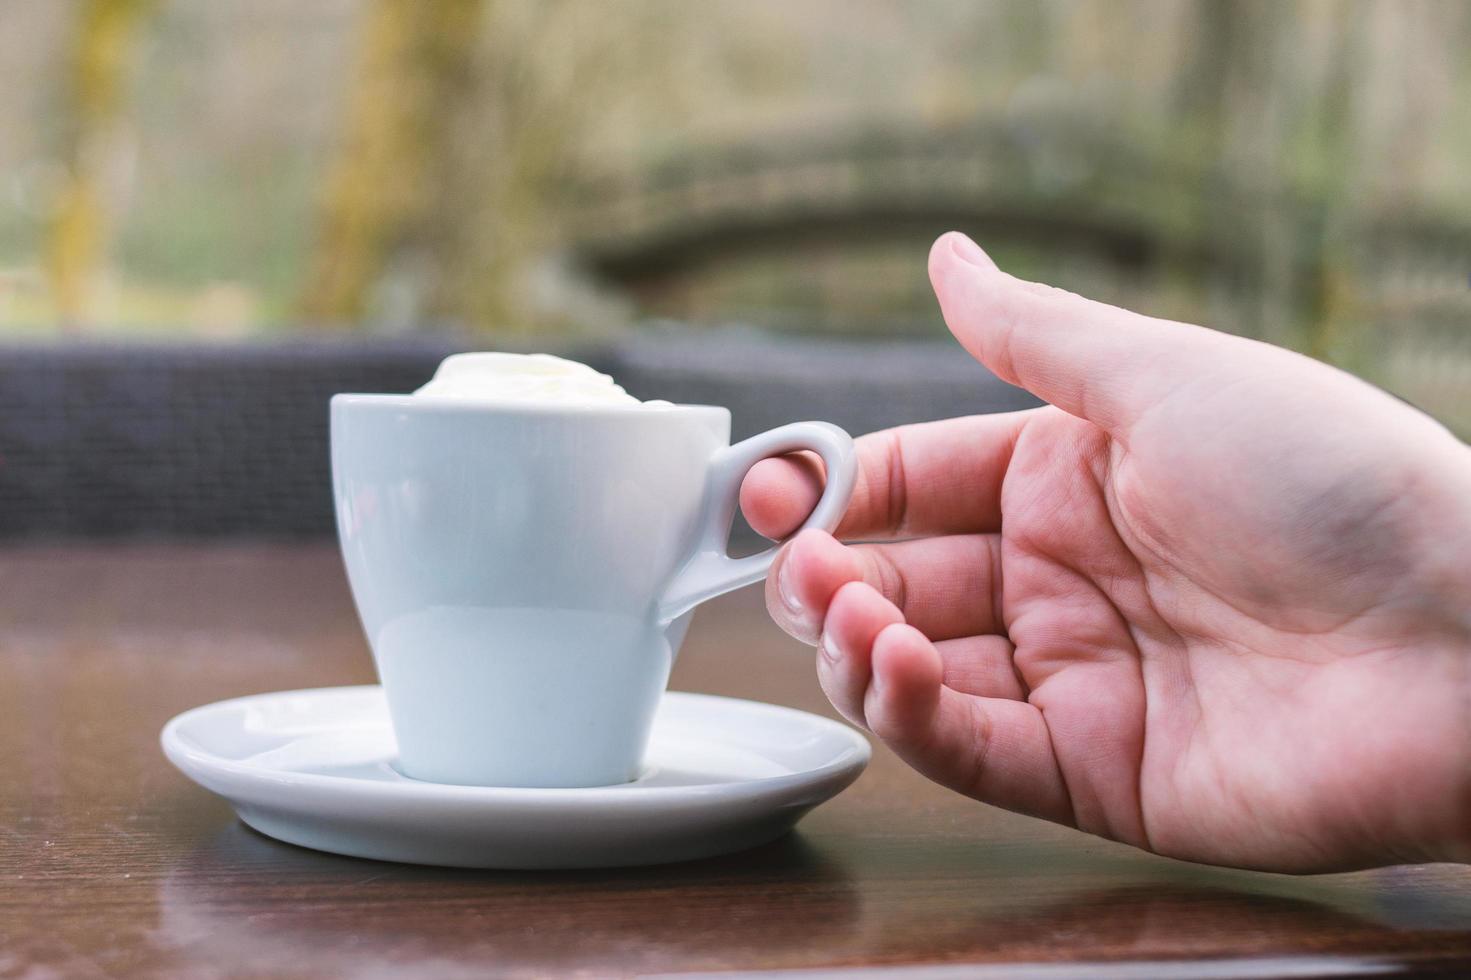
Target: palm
x=1216, y=608
x=1244, y=715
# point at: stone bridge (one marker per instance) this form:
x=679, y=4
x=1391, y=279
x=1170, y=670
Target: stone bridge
x=1062, y=189
x=1283, y=261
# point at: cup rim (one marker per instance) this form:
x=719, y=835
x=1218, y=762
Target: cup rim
x=464, y=406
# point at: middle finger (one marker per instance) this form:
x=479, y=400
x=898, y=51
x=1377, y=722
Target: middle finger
x=946, y=587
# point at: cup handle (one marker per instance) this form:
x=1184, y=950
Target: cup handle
x=710, y=572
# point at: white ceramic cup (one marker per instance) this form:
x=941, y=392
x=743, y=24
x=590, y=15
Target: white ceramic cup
x=526, y=573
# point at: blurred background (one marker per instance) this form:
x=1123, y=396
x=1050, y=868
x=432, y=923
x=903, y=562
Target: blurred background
x=214, y=213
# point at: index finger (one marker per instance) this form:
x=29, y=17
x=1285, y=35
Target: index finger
x=931, y=478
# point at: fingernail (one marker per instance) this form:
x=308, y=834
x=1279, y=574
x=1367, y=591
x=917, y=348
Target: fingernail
x=969, y=251
x=828, y=649
x=787, y=593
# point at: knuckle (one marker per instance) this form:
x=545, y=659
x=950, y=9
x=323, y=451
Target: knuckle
x=973, y=771
x=896, y=484
x=888, y=578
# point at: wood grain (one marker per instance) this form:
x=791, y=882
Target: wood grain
x=111, y=863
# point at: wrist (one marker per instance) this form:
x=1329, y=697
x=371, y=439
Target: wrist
x=1461, y=846
x=1458, y=845
x=1458, y=848
x=1434, y=777
x=1442, y=563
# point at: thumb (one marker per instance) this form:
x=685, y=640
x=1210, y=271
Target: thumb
x=1091, y=360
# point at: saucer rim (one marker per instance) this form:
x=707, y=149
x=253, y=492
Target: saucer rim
x=846, y=765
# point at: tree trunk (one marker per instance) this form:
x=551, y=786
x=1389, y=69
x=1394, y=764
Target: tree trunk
x=376, y=228
x=97, y=70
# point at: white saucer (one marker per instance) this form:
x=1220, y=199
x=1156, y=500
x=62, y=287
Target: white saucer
x=315, y=768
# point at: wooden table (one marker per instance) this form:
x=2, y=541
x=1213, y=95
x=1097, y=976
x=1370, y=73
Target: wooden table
x=111, y=863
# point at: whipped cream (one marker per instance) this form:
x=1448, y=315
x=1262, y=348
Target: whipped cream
x=521, y=379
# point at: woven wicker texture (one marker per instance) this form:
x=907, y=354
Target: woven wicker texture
x=212, y=441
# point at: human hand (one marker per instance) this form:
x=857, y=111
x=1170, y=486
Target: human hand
x=1213, y=601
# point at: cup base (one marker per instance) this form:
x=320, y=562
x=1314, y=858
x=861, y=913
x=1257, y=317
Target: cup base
x=396, y=765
